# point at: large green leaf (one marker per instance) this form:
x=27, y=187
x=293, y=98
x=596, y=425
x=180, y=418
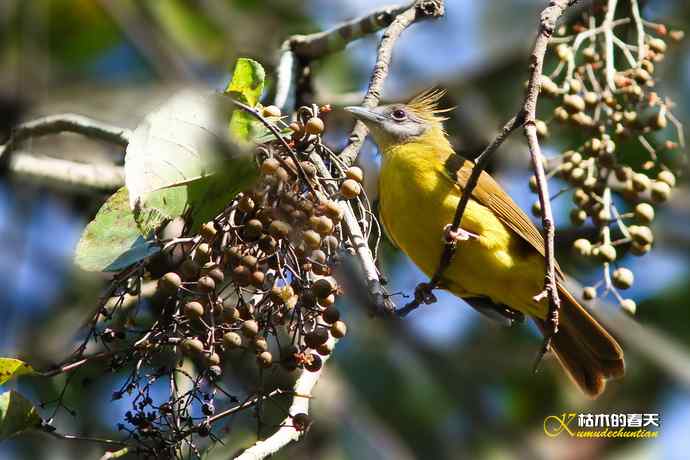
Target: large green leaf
x=112, y=240
x=180, y=161
x=17, y=414
x=11, y=368
x=246, y=85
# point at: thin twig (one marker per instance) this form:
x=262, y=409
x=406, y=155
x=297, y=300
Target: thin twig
x=608, y=43
x=420, y=9
x=549, y=18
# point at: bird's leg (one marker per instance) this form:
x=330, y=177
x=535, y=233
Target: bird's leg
x=453, y=236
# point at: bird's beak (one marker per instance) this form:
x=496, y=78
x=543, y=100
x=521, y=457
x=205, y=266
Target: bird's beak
x=365, y=115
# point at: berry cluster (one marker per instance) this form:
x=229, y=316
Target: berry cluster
x=604, y=93
x=257, y=281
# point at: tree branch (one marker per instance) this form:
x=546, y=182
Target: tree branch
x=315, y=46
x=420, y=9
x=63, y=123
x=104, y=177
x=526, y=115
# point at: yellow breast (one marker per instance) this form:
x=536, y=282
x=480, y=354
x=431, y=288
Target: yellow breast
x=417, y=201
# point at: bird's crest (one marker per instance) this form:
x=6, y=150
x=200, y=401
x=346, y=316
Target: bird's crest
x=425, y=105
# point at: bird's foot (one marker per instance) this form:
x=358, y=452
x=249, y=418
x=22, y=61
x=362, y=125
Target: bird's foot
x=541, y=296
x=423, y=294
x=453, y=236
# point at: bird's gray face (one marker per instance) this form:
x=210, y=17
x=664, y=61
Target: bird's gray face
x=390, y=124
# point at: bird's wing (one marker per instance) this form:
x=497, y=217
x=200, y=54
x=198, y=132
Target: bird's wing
x=490, y=194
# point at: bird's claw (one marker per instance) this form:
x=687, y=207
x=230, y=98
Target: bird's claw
x=453, y=236
x=423, y=294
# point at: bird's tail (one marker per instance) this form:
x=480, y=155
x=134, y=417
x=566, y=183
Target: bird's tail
x=587, y=352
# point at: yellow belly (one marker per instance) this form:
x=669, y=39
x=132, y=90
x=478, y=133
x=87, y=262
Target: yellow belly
x=417, y=202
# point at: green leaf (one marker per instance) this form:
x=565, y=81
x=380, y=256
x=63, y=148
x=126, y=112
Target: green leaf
x=247, y=82
x=180, y=161
x=246, y=85
x=17, y=414
x=11, y=368
x=112, y=240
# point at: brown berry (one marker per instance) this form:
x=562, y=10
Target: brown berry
x=232, y=340
x=270, y=111
x=355, y=173
x=249, y=261
x=338, y=329
x=202, y=253
x=265, y=359
x=253, y=229
x=607, y=253
x=316, y=337
x=629, y=306
x=246, y=204
x=325, y=349
x=260, y=344
x=330, y=315
x=230, y=313
x=192, y=346
x=637, y=249
x=660, y=192
x=267, y=244
x=193, y=310
x=250, y=328
x=312, y=239
x=206, y=284
x=258, y=278
x=641, y=234
x=331, y=243
x=314, y=126
x=644, y=212
x=582, y=247
x=333, y=210
x=169, y=283
x=269, y=166
x=241, y=275
x=208, y=231
x=189, y=269
x=323, y=225
x=668, y=177
x=279, y=229
x=323, y=287
x=623, y=278
x=640, y=182
x=589, y=293
x=217, y=274
x=350, y=189
x=213, y=359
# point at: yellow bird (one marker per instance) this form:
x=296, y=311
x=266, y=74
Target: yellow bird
x=499, y=263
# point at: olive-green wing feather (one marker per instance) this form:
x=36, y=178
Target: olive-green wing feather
x=490, y=194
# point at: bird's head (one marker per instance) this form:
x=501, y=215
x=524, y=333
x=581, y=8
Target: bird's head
x=397, y=124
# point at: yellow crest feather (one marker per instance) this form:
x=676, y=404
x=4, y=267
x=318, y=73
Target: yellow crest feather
x=425, y=105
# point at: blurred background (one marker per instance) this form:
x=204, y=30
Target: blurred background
x=443, y=384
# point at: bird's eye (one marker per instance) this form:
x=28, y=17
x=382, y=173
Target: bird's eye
x=399, y=115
